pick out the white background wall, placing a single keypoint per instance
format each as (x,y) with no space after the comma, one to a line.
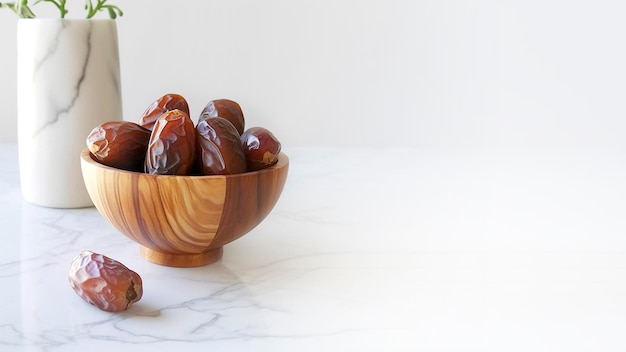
(455,73)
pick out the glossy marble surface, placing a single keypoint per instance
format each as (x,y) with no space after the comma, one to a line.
(367,250)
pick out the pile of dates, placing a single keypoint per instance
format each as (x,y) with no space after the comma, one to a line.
(166,141)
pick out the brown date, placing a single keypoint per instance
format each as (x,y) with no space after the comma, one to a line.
(120,144)
(163,104)
(227,109)
(219,147)
(104,282)
(260,147)
(172,146)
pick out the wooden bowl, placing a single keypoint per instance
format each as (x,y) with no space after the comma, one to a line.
(183,221)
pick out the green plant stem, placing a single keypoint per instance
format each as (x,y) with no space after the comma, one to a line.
(60,4)
(22,9)
(113,10)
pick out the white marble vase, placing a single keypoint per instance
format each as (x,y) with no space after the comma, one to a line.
(68,82)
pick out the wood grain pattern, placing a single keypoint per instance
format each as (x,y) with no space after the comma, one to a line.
(183,220)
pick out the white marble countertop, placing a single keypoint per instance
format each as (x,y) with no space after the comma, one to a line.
(367,250)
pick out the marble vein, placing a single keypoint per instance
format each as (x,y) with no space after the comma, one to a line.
(316,277)
(50,52)
(9,330)
(62,110)
(9,269)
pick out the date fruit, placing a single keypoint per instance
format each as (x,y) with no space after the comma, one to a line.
(260,147)
(224,108)
(119,144)
(172,145)
(163,104)
(219,147)
(104,282)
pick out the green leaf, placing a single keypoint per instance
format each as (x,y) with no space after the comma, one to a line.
(114,11)
(22,10)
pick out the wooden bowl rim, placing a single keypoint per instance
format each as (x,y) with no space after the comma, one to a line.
(283,161)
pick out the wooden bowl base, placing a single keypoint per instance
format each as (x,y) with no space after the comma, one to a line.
(182,260)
